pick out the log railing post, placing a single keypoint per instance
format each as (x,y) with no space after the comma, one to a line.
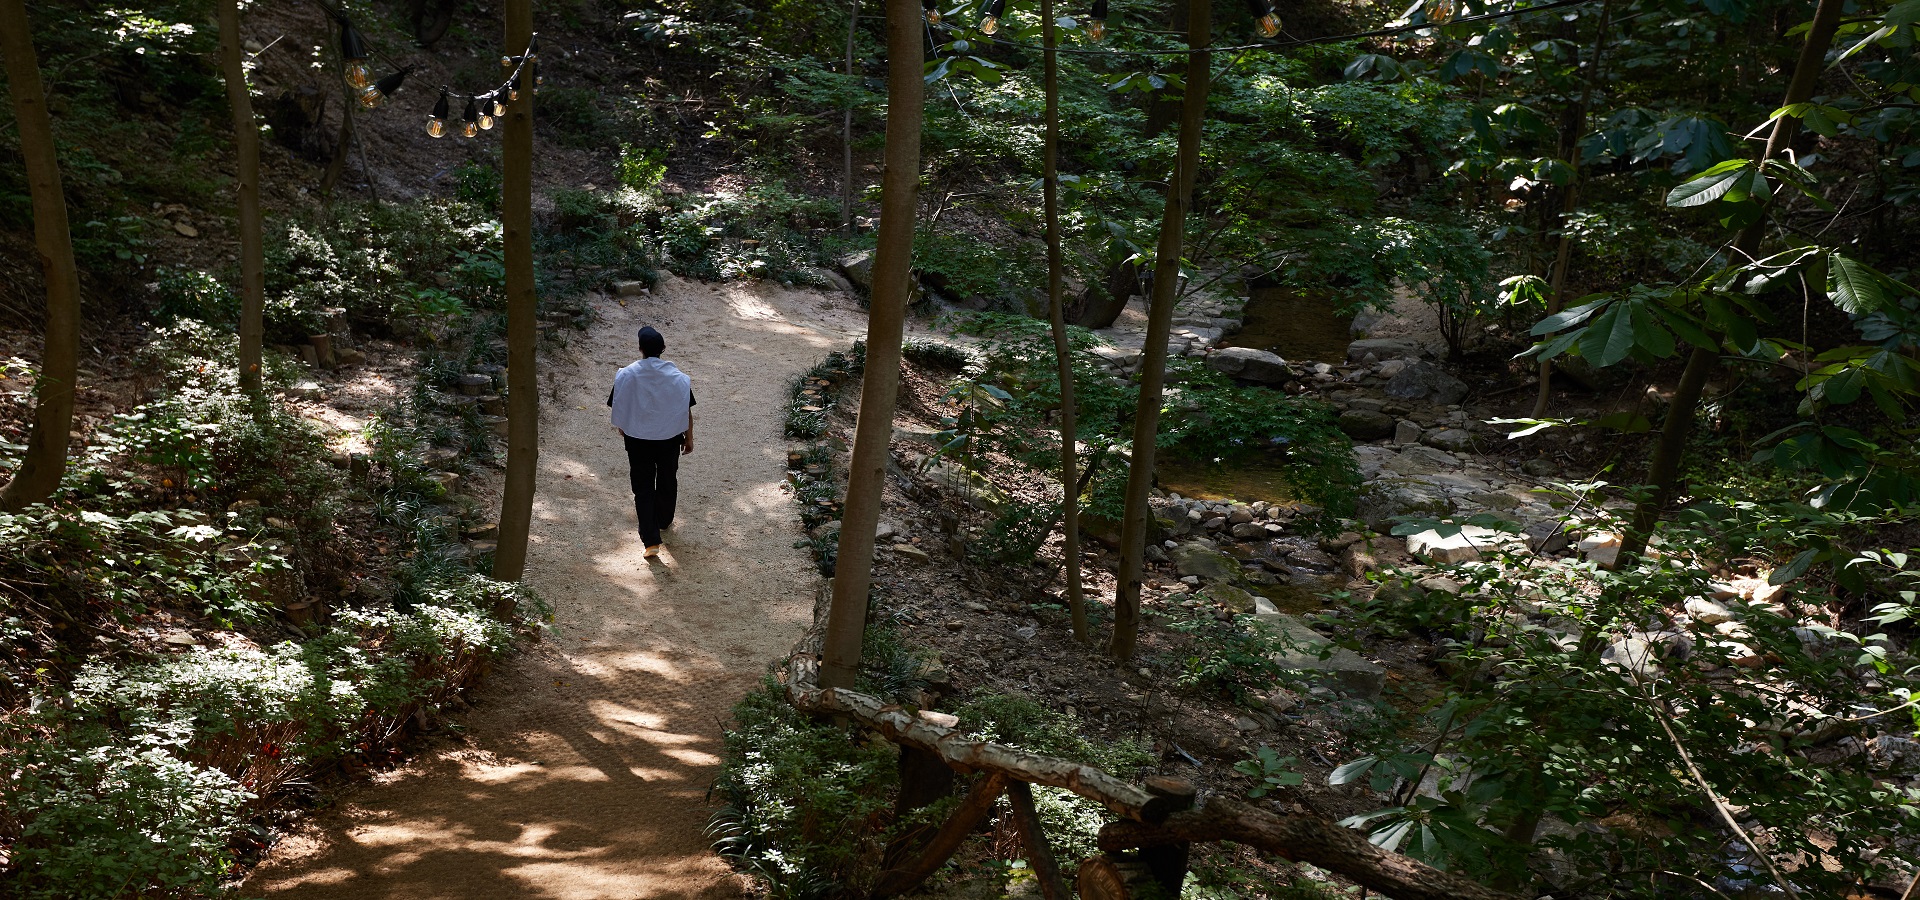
(973,809)
(1046,869)
(1168,862)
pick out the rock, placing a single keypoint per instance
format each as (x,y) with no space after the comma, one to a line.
(859,268)
(1264,607)
(1406,432)
(1247,531)
(1120,357)
(1633,656)
(1600,548)
(1302,651)
(912,553)
(1428,383)
(1466,546)
(1546,536)
(1386,501)
(1397,593)
(1439,583)
(1458,440)
(1422,460)
(1366,425)
(824,530)
(1707,612)
(475,384)
(1245,723)
(1250,364)
(186,230)
(349,357)
(829,278)
(1280,700)
(980,492)
(1391,367)
(630,289)
(1539,467)
(1196,559)
(304,390)
(1383,348)
(1311,557)
(1233,598)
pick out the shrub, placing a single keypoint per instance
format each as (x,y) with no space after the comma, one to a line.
(804,799)
(1072,822)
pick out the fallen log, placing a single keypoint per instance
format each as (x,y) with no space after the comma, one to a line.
(1302,838)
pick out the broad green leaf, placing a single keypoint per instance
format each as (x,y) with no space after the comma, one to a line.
(1568,318)
(1707,188)
(1686,328)
(1794,569)
(1649,335)
(1853,285)
(1594,339)
(1352,771)
(1620,339)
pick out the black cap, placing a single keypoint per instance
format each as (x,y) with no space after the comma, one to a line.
(651,343)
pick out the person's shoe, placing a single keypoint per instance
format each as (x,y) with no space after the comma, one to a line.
(653,551)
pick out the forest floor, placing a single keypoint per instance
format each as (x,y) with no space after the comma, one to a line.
(582,771)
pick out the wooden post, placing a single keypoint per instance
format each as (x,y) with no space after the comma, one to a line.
(886,319)
(523,388)
(246,142)
(973,809)
(46,457)
(1039,853)
(1168,862)
(1153,371)
(924,780)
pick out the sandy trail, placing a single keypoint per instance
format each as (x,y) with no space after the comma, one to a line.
(588,759)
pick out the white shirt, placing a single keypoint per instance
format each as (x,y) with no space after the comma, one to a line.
(652,400)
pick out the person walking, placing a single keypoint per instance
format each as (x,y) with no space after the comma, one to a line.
(652,403)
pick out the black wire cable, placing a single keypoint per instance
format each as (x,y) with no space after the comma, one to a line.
(1282,45)
(520,62)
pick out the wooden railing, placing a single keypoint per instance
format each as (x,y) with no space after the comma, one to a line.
(1148,845)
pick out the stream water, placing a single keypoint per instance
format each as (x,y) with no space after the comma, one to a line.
(1296,326)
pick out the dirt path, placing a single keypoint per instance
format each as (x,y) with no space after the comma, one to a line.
(587,761)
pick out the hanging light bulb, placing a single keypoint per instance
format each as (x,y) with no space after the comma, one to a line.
(513,88)
(353,50)
(1269,21)
(499,108)
(1097,22)
(486,113)
(990,23)
(931,10)
(437,123)
(377,93)
(470,123)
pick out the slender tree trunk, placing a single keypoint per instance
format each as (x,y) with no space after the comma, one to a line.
(1663,470)
(1057,315)
(246,141)
(523,390)
(1563,255)
(46,456)
(892,266)
(1153,372)
(846,124)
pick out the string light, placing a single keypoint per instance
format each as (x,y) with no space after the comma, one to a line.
(1097,22)
(499,107)
(437,123)
(932,8)
(486,113)
(990,23)
(353,49)
(377,93)
(1268,22)
(470,123)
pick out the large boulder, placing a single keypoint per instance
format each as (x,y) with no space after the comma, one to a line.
(1425,382)
(1458,440)
(1383,501)
(859,268)
(1308,654)
(1366,424)
(1422,460)
(1194,558)
(1466,546)
(1250,364)
(1383,348)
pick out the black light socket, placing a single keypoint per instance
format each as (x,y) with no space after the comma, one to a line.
(352,44)
(388,85)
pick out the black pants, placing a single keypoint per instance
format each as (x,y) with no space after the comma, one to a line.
(654,467)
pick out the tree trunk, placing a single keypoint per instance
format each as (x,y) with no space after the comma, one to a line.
(1057,315)
(523,390)
(1166,282)
(246,141)
(1563,255)
(1663,470)
(892,267)
(846,126)
(46,456)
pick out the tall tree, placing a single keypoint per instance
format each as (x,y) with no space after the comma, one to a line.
(892,266)
(1153,371)
(246,140)
(1663,470)
(1057,315)
(523,393)
(46,457)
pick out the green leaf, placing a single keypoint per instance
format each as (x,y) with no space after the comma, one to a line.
(1686,328)
(1568,318)
(1648,334)
(1709,186)
(1620,338)
(1794,569)
(1593,340)
(1854,286)
(1352,771)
